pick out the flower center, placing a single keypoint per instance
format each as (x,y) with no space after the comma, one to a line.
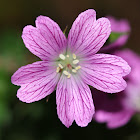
(68,64)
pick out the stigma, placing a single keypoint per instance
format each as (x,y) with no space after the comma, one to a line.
(68,64)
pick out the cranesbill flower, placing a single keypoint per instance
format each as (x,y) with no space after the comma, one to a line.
(120,30)
(72,64)
(116,110)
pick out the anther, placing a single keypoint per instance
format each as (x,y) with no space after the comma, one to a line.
(74,56)
(60,65)
(62,56)
(69,75)
(57,69)
(65,72)
(67,55)
(75,61)
(74,70)
(78,67)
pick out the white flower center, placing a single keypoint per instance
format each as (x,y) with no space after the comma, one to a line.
(68,64)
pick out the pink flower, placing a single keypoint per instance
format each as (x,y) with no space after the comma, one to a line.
(121,27)
(71,64)
(117,109)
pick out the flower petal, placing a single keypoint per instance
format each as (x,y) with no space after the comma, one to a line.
(114,119)
(134,61)
(46,40)
(104,72)
(117,26)
(37,80)
(121,25)
(110,109)
(87,35)
(74,101)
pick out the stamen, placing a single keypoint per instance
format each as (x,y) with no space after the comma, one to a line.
(74,56)
(75,61)
(68,64)
(62,56)
(60,65)
(67,55)
(78,67)
(74,70)
(65,72)
(58,69)
(69,75)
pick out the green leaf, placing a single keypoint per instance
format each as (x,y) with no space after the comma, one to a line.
(115,35)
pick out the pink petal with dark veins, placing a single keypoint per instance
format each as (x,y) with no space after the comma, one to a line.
(87,35)
(104,72)
(46,40)
(37,80)
(74,102)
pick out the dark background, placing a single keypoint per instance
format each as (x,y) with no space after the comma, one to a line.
(39,121)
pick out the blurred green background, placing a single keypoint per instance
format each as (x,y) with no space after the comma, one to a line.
(39,121)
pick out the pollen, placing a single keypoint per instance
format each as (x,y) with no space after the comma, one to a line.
(60,65)
(74,70)
(66,72)
(74,56)
(78,67)
(69,75)
(58,69)
(76,61)
(62,56)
